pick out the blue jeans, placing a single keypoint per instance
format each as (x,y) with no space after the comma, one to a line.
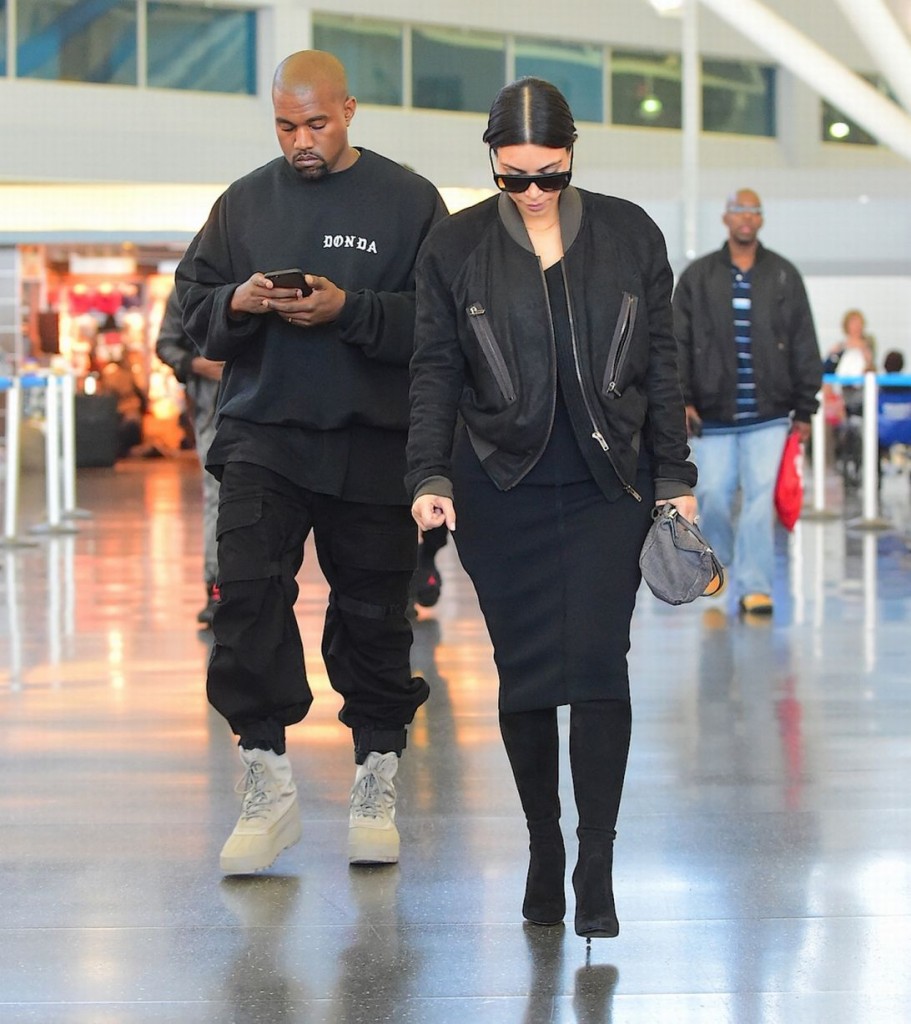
(747,459)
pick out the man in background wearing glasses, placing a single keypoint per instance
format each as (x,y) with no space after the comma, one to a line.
(750,370)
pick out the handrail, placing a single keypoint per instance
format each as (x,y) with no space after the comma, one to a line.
(900,380)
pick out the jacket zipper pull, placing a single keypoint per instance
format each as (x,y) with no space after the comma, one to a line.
(599,437)
(476,310)
(632,492)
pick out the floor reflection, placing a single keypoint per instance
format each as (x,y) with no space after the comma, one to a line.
(594,992)
(256,984)
(380,960)
(545,955)
(763,859)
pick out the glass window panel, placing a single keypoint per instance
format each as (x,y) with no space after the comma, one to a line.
(738,97)
(577,71)
(77,40)
(455,70)
(2,37)
(646,89)
(371,52)
(838,127)
(208,49)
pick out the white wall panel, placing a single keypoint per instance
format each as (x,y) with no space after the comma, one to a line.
(885,301)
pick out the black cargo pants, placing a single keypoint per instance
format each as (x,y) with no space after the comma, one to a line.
(256,677)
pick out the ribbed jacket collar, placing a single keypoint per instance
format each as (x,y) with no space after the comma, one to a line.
(570,218)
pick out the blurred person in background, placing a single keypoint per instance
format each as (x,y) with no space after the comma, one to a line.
(853,355)
(201,377)
(750,370)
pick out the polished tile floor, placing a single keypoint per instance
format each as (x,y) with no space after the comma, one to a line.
(763,869)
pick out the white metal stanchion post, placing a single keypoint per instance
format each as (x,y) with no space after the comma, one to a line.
(818,437)
(871,519)
(68,418)
(52,460)
(13,435)
(13,419)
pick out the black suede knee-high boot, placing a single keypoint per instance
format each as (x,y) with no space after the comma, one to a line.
(533,748)
(599,736)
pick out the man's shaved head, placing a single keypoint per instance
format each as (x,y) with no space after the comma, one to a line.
(312,112)
(309,70)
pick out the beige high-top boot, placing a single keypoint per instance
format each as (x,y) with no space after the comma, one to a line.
(269,821)
(372,835)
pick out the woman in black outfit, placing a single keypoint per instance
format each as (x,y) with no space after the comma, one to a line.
(545,402)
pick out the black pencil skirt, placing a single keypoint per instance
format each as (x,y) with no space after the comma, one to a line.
(556,571)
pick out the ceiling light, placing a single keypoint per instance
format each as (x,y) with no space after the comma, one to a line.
(650,107)
(667,8)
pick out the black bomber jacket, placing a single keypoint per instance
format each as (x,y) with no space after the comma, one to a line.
(485,350)
(787,368)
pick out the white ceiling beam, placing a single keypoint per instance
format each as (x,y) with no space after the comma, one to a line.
(885,39)
(873,111)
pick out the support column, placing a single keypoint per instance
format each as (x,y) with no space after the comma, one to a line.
(692,127)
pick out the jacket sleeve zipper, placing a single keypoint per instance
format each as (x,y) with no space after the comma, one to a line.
(596,434)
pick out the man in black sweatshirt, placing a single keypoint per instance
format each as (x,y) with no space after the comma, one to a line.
(311,432)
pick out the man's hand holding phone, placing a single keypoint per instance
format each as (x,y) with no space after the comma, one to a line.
(293,279)
(275,290)
(288,293)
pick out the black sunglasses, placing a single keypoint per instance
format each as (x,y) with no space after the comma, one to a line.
(520,182)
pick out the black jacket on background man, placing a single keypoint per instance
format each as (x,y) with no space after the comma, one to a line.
(786,363)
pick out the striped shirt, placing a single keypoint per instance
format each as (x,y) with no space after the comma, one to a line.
(741,289)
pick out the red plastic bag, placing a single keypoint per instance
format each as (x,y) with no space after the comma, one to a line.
(833,403)
(789,485)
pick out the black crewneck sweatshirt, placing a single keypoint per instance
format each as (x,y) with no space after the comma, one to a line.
(327,407)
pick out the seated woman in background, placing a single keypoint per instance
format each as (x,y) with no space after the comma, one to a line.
(853,355)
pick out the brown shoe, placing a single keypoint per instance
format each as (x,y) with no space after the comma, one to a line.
(756,604)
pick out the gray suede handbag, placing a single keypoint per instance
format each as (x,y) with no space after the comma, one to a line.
(677,562)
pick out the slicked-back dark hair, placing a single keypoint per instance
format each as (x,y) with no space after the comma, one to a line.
(530,110)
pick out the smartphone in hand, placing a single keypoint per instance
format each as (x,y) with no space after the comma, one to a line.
(291,278)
